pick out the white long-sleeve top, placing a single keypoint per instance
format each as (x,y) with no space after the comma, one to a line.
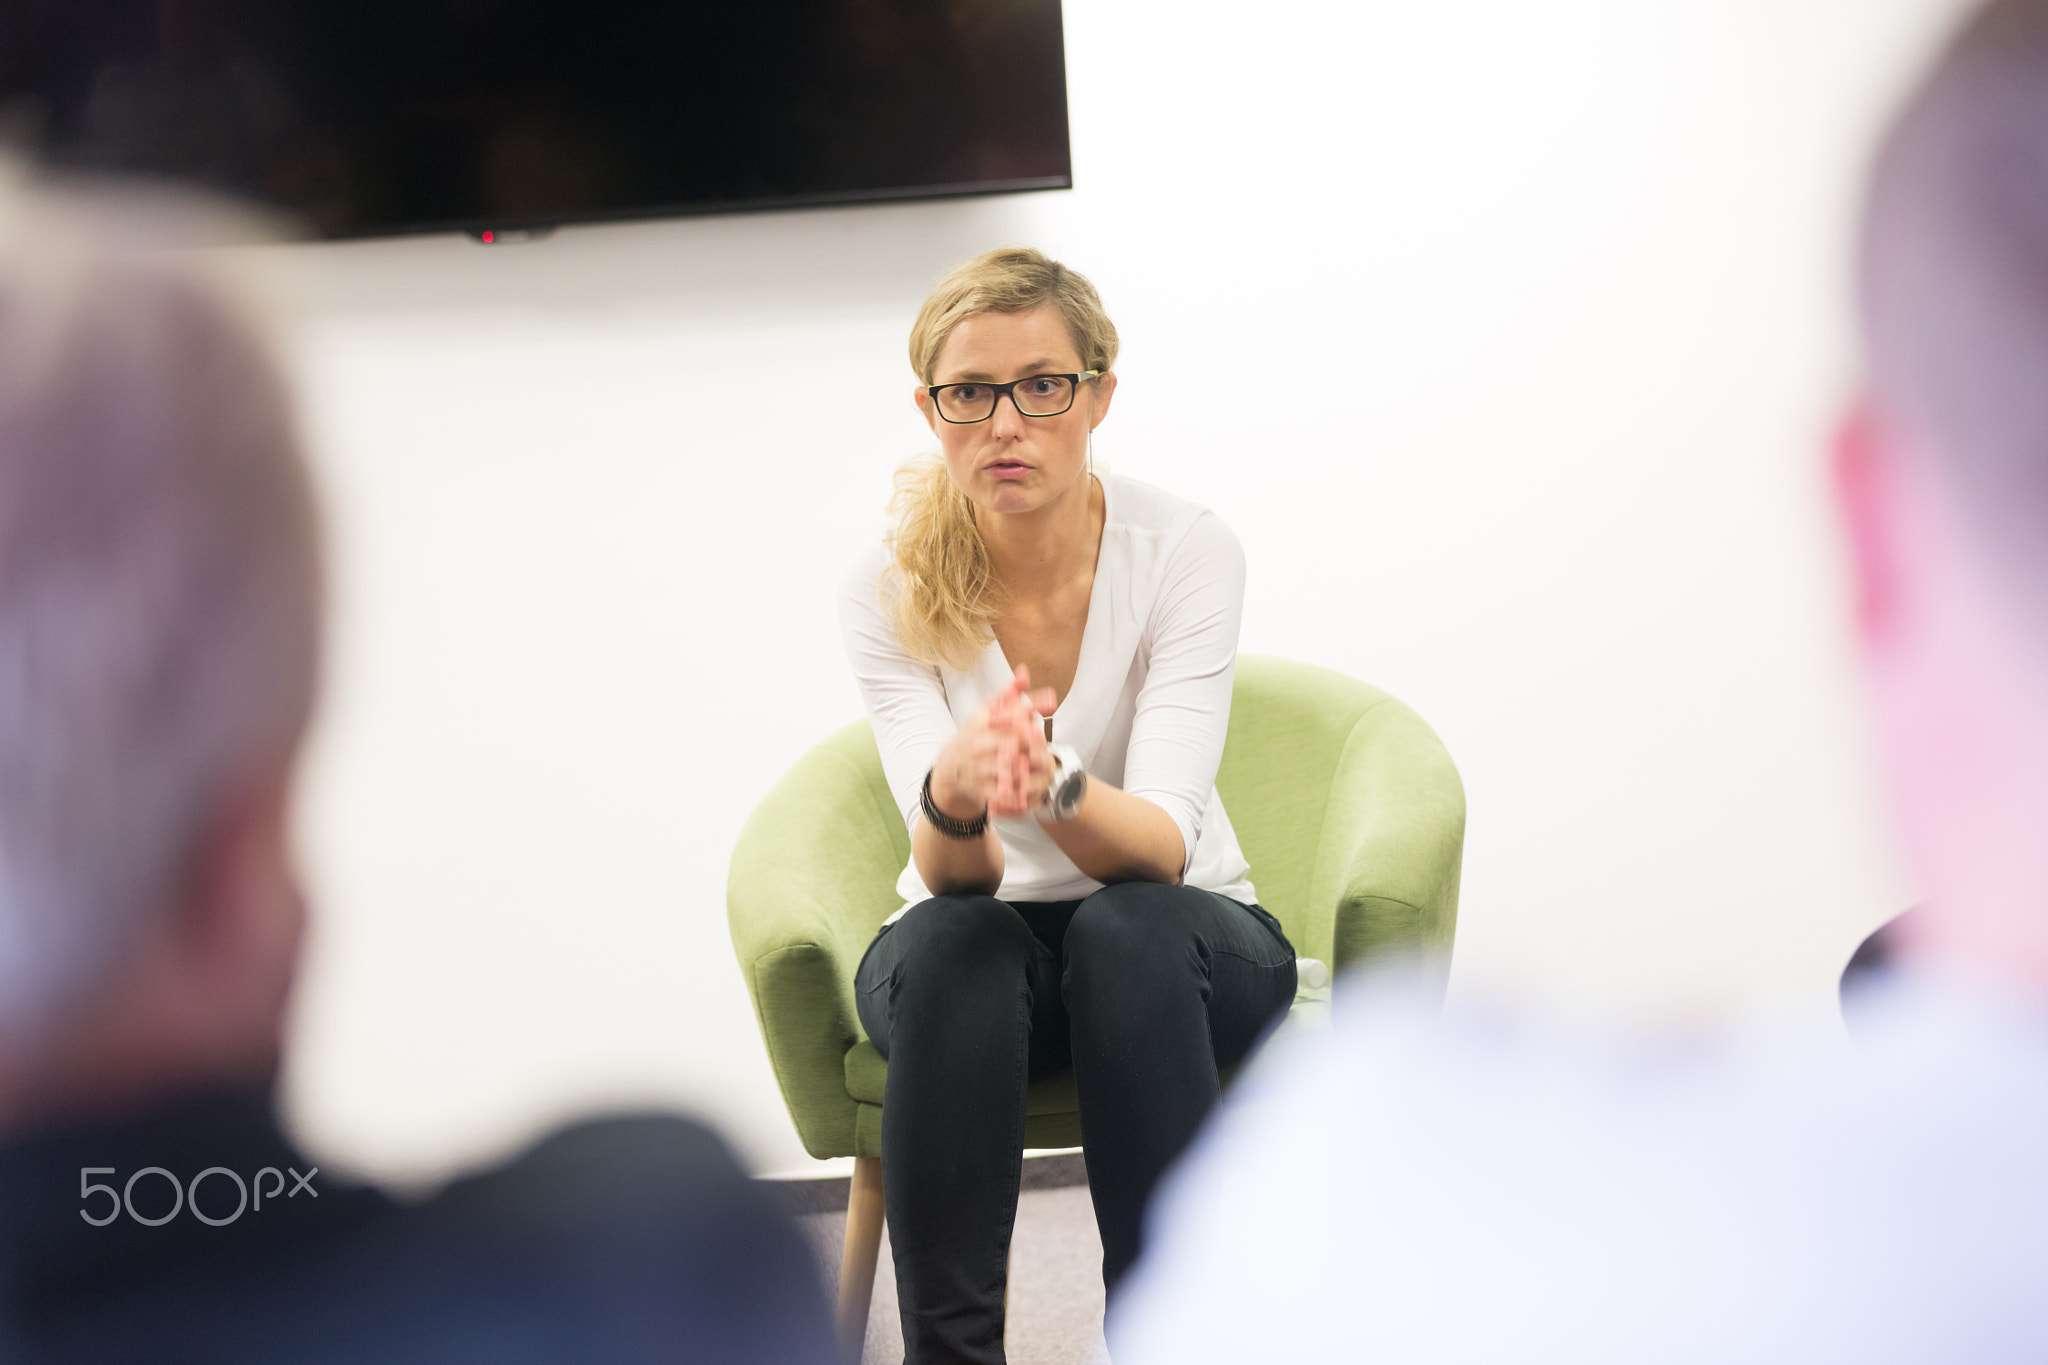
(1147,710)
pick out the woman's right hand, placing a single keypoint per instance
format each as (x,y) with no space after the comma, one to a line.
(996,761)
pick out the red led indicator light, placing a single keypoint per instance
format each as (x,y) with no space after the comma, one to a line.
(490,236)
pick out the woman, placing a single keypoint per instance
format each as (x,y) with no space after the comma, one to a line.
(1080,902)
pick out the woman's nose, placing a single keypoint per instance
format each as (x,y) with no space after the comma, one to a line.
(1006,419)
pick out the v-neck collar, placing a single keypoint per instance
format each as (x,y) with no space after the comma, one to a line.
(1081,726)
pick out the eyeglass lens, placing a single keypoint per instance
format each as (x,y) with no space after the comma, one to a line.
(1046,395)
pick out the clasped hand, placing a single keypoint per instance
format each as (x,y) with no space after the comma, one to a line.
(997,761)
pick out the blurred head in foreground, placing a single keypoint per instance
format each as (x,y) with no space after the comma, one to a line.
(1942,475)
(1485,1193)
(159,629)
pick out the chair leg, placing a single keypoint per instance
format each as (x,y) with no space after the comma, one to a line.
(863,1249)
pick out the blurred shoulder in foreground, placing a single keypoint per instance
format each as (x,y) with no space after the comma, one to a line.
(629,1239)
(1405,1189)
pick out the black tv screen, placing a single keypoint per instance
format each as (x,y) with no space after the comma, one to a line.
(383,116)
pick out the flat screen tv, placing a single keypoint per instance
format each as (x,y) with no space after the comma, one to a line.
(364,117)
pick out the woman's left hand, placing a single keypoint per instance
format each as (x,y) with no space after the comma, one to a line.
(1018,712)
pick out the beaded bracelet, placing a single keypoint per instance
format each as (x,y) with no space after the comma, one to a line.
(946,824)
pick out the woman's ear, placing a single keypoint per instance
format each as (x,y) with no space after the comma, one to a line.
(1105,389)
(923,400)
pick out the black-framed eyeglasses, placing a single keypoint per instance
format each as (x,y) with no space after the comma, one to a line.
(1035,395)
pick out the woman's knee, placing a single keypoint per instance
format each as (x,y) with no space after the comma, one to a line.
(1125,919)
(953,936)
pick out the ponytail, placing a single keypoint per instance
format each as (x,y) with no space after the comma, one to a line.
(945,600)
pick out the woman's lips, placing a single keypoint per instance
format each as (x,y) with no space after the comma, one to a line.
(1007,469)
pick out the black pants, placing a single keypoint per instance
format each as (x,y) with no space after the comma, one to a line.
(1143,989)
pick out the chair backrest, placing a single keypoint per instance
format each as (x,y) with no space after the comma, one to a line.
(1348,809)
(1288,726)
(831,828)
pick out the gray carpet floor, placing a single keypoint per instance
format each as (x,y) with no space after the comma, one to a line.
(1055,1315)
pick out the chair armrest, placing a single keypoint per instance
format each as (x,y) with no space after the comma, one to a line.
(812,877)
(1392,843)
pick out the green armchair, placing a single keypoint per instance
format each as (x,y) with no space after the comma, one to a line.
(1348,808)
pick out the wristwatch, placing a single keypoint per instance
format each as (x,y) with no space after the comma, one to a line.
(1069,782)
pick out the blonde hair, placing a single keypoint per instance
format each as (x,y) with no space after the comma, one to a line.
(942,593)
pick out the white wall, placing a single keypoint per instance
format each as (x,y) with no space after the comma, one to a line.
(1505,335)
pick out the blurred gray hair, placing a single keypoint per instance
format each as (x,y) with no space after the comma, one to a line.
(1955,280)
(159,580)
